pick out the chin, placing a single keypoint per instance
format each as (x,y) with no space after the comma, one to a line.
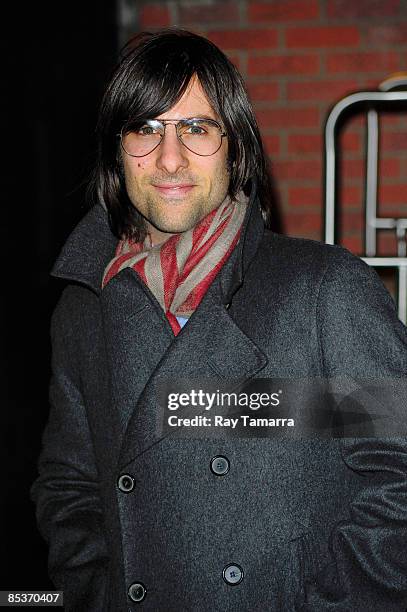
(177,229)
(177,226)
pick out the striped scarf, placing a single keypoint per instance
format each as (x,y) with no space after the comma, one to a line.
(179,271)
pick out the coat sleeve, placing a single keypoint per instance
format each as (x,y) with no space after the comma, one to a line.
(66,493)
(361,337)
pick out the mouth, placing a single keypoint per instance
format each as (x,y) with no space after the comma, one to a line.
(174,191)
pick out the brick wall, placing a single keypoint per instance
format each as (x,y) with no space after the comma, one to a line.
(298,57)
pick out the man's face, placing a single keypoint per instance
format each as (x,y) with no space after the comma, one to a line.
(172,187)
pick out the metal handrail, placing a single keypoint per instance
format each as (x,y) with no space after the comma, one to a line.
(371,99)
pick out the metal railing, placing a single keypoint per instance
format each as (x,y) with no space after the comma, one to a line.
(372,102)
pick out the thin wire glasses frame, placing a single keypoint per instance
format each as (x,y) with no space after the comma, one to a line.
(160,125)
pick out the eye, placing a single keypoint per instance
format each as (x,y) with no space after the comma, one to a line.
(146,130)
(196,130)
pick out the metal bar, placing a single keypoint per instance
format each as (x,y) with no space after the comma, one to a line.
(385,223)
(371,181)
(387,262)
(399,263)
(372,97)
(401,238)
(402,293)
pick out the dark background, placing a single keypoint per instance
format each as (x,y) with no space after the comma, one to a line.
(57,65)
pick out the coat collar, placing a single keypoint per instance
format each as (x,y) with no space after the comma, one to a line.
(87,250)
(92,245)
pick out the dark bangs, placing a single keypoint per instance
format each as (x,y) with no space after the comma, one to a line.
(152,76)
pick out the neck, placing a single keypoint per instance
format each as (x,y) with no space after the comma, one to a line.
(156,236)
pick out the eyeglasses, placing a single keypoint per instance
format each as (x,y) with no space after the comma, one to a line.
(200,136)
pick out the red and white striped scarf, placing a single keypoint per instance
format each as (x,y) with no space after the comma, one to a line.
(180,270)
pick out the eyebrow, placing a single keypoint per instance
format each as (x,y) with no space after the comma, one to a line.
(202,117)
(191,117)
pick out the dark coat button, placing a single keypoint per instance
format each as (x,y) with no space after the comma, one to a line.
(126,483)
(137,591)
(232,574)
(220,465)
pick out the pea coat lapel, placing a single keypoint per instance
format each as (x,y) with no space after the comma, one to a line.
(211,346)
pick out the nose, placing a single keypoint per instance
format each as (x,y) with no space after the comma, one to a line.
(171,153)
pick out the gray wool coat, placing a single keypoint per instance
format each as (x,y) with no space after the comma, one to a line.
(315,525)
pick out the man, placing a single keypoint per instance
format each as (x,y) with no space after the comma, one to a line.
(173,273)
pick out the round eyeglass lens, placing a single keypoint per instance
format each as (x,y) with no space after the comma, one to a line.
(200,136)
(141,140)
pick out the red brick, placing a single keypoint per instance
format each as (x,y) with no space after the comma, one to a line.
(154,16)
(288,10)
(305,196)
(244,39)
(349,141)
(355,121)
(345,9)
(314,143)
(391,121)
(208,13)
(393,194)
(389,167)
(288,117)
(367,84)
(394,34)
(394,141)
(307,169)
(393,210)
(307,224)
(283,64)
(352,168)
(264,91)
(235,59)
(271,144)
(322,36)
(355,168)
(386,243)
(352,221)
(353,244)
(319,90)
(352,196)
(305,143)
(363,62)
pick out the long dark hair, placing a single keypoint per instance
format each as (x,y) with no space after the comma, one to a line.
(151,77)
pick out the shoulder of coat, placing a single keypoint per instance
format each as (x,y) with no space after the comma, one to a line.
(305,251)
(74,299)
